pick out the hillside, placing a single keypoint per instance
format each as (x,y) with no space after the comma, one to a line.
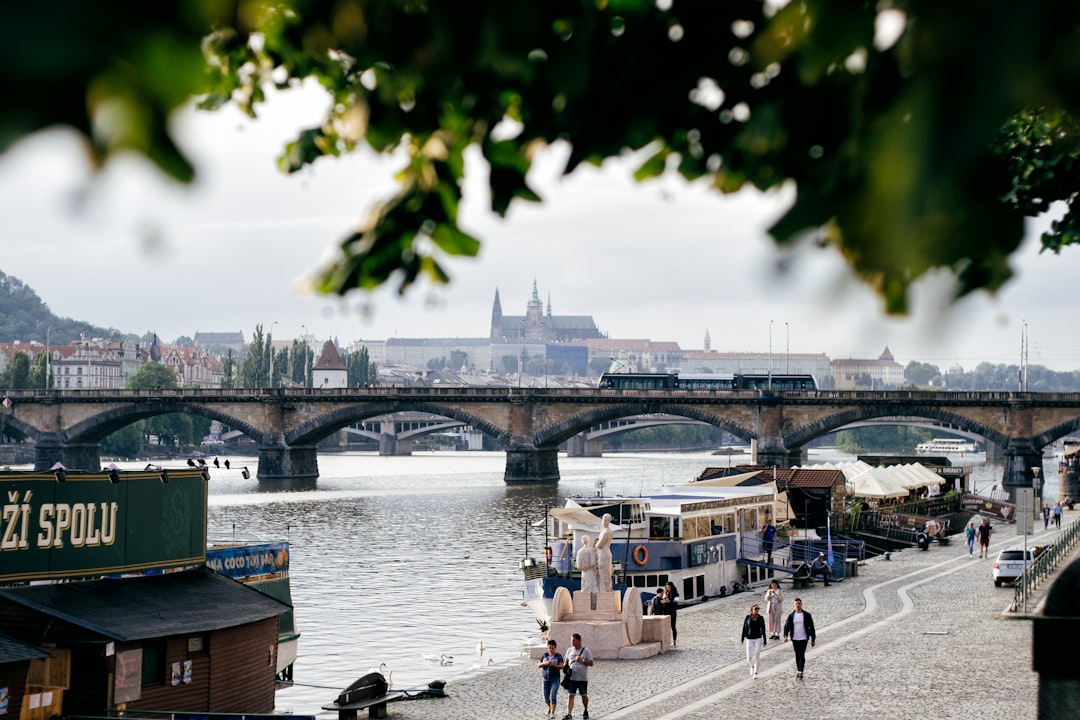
(24,317)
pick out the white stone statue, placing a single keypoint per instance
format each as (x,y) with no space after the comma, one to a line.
(586,563)
(603,553)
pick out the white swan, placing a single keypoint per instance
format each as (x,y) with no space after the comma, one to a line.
(441,659)
(481,666)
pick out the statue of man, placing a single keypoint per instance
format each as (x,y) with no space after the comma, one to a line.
(603,553)
(586,562)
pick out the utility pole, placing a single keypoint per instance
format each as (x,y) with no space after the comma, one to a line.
(787,349)
(770,355)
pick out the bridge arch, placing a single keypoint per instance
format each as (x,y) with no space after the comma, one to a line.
(802,435)
(326,424)
(10,421)
(558,432)
(97,427)
(1057,432)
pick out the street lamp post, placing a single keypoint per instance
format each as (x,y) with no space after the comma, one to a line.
(270,347)
(787,349)
(304,328)
(48,358)
(1035,483)
(770,355)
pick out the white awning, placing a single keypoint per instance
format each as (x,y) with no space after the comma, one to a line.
(726,481)
(577,517)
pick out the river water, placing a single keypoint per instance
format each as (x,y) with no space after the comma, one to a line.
(395,558)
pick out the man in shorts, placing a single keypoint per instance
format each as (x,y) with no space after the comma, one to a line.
(985,531)
(580,660)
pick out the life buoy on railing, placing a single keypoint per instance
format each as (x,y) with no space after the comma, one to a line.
(641,555)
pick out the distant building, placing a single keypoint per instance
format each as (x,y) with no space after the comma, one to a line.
(329,370)
(8,351)
(884,373)
(193,366)
(94,364)
(538,325)
(634,355)
(710,361)
(220,341)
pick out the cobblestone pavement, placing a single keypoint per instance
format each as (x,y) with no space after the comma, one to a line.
(924,634)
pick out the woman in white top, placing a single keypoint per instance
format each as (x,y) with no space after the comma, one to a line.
(774,609)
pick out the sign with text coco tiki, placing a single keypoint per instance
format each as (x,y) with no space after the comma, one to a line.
(68,524)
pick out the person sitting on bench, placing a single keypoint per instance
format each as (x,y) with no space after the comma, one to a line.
(820,567)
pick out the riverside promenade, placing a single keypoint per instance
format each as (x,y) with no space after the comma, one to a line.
(924,634)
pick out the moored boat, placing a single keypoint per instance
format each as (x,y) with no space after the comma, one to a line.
(946,446)
(690,535)
(264,566)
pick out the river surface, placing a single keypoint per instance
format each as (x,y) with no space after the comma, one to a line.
(398,558)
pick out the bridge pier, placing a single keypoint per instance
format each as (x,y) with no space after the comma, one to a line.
(282,462)
(531,465)
(391,445)
(1020,457)
(580,446)
(74,456)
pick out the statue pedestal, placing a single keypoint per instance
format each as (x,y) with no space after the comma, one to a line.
(611,627)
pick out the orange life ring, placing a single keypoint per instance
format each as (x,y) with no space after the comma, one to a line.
(641,555)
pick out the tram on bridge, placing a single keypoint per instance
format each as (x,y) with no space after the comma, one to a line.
(706,381)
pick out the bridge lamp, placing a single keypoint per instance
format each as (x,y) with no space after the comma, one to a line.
(48,358)
(304,328)
(1035,482)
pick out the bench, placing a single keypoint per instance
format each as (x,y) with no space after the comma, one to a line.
(370,693)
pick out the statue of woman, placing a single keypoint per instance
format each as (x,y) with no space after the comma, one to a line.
(586,563)
(603,553)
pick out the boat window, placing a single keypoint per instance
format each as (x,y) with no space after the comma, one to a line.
(660,527)
(699,554)
(749,520)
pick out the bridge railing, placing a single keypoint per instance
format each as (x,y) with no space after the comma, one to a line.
(959,396)
(1044,565)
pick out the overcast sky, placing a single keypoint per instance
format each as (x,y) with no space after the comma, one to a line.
(663,261)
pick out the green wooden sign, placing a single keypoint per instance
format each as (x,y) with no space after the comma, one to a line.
(76,525)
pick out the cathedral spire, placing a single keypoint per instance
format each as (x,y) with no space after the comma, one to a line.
(534,301)
(496,317)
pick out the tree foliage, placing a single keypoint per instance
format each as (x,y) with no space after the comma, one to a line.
(920,149)
(361,371)
(25,317)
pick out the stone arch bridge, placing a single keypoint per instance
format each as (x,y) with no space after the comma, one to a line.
(530,423)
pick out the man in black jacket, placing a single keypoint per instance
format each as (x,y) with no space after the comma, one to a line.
(799,628)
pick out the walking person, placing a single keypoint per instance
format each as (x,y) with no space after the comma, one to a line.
(984,532)
(1057,514)
(1046,516)
(969,533)
(671,609)
(580,660)
(800,629)
(774,602)
(753,633)
(550,665)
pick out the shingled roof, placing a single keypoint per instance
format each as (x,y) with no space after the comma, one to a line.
(140,608)
(795,477)
(12,650)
